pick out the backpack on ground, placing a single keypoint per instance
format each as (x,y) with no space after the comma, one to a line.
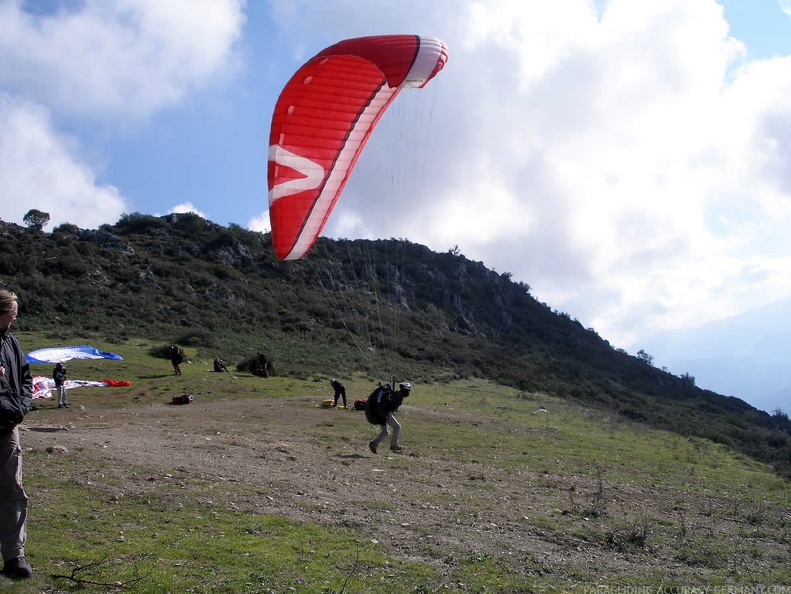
(184,398)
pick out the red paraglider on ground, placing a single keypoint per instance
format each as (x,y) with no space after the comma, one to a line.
(322,120)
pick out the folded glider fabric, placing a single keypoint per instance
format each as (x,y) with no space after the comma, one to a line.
(42,385)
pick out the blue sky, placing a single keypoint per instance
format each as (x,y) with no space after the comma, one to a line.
(762,25)
(627,160)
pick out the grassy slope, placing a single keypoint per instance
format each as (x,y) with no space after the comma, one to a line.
(206,548)
(185,280)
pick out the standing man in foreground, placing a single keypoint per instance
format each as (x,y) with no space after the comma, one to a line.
(16,385)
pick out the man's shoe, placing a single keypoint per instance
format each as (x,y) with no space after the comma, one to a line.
(372,447)
(17,568)
(397,448)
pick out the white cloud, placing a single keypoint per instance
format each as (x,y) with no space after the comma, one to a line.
(42,169)
(537,35)
(185,207)
(132,57)
(260,223)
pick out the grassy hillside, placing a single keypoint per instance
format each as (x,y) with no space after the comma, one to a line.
(254,488)
(383,309)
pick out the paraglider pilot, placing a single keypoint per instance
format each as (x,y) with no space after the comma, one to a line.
(340,392)
(219,365)
(379,409)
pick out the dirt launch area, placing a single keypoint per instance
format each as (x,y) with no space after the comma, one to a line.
(290,457)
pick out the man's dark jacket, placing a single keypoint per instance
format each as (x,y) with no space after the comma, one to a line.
(59,376)
(16,385)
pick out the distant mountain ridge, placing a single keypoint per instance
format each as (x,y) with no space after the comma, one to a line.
(758,371)
(384,308)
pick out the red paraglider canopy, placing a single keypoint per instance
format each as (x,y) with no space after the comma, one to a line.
(322,121)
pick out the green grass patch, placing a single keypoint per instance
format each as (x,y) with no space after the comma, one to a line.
(177,539)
